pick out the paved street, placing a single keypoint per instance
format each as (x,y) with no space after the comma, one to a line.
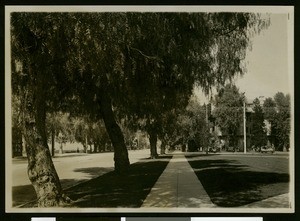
(178,186)
(74,168)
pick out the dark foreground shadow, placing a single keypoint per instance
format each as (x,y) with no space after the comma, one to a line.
(94,171)
(21,195)
(230,184)
(115,190)
(108,190)
(25,196)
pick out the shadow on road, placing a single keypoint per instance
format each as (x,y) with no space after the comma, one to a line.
(108,190)
(94,171)
(22,194)
(115,190)
(25,193)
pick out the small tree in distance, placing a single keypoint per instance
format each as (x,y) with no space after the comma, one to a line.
(259,136)
(277,112)
(229,112)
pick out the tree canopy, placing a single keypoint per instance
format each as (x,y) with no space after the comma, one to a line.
(228,111)
(152,59)
(278,112)
(139,65)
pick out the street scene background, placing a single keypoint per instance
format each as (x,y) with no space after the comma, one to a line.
(150,110)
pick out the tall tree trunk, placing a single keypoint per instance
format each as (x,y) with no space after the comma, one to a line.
(115,134)
(41,170)
(52,142)
(23,146)
(95,147)
(86,144)
(153,142)
(163,147)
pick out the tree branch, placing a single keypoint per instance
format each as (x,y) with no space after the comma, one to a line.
(146,56)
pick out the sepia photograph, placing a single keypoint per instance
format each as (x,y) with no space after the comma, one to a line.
(144,109)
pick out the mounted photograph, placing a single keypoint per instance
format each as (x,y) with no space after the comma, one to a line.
(149,109)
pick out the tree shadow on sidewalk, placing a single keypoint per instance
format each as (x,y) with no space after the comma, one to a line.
(230,184)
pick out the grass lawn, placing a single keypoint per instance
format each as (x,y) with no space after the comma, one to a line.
(230,183)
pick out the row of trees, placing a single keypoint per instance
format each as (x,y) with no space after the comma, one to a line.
(139,68)
(64,128)
(228,114)
(187,125)
(61,128)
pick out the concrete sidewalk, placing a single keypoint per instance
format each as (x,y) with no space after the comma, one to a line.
(178,186)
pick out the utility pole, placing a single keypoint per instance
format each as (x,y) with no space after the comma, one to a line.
(245,132)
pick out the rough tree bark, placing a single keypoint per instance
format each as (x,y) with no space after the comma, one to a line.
(115,134)
(24,154)
(41,170)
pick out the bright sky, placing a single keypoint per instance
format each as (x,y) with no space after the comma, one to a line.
(267,62)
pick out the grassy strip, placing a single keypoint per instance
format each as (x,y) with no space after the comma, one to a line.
(231,184)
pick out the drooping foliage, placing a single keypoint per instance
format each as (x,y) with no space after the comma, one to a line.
(139,65)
